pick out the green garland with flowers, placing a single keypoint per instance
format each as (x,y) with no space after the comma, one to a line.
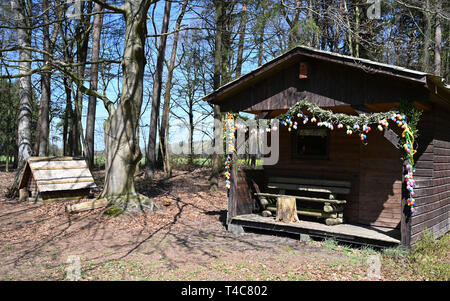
(306,112)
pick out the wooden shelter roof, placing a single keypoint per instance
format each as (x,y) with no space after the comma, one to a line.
(432,82)
(57,173)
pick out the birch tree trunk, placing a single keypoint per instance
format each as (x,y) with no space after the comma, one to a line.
(25,94)
(90,120)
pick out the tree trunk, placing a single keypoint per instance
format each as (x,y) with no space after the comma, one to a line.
(287,210)
(42,131)
(156,95)
(191,133)
(25,92)
(67,141)
(438,40)
(261,33)
(121,128)
(349,29)
(90,120)
(357,31)
(241,40)
(427,38)
(82,40)
(164,132)
(216,162)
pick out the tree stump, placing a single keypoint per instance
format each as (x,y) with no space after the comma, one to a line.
(287,210)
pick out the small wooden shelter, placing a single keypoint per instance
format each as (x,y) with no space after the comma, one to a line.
(375,210)
(56,178)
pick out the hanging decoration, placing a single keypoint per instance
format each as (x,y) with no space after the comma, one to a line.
(230,129)
(360,125)
(305,112)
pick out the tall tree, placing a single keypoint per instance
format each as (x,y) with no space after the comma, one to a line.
(22,16)
(40,145)
(163,157)
(427,37)
(438,39)
(219,23)
(93,84)
(49,42)
(82,32)
(156,95)
(122,150)
(240,53)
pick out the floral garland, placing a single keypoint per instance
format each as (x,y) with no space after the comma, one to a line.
(360,124)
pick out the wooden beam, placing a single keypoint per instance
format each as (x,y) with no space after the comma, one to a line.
(37,159)
(58,167)
(75,180)
(312,212)
(89,205)
(64,198)
(303,198)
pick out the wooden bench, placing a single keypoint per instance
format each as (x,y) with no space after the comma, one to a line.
(326,191)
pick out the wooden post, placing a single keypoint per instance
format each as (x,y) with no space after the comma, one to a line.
(232,193)
(405,223)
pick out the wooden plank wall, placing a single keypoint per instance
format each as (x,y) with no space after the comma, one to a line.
(374,171)
(244,201)
(380,182)
(433,175)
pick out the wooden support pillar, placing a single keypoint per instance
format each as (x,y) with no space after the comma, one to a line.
(232,192)
(405,224)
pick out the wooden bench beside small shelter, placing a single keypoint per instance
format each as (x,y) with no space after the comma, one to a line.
(55,178)
(375,209)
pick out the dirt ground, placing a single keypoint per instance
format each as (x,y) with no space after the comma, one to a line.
(184,241)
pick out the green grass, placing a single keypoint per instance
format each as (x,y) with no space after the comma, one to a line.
(330,243)
(430,257)
(113,212)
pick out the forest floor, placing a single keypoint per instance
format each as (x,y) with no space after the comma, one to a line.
(186,240)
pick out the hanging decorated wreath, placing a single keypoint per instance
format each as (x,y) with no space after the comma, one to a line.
(306,112)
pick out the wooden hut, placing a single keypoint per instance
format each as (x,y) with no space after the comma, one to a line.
(375,210)
(55,178)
